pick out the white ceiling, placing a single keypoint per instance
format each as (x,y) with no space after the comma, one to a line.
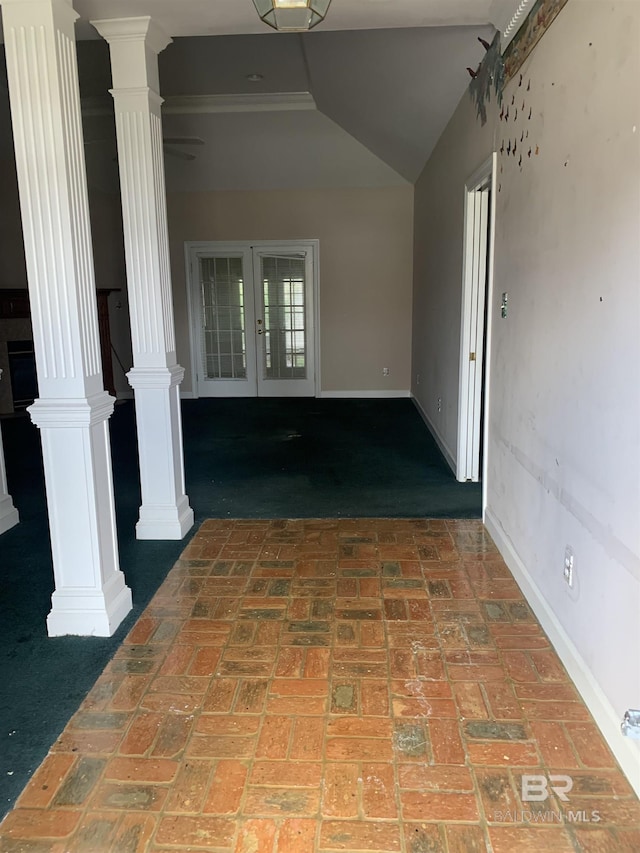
(386,75)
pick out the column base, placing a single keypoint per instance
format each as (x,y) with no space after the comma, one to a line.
(162,522)
(165,512)
(8,514)
(90,597)
(85,615)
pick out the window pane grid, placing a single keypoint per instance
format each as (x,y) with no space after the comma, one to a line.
(223,316)
(284,320)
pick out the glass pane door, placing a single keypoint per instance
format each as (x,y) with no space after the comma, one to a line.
(284,294)
(284,318)
(224,338)
(252,309)
(226,326)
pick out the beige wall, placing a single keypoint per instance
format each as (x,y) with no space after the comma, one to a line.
(437,275)
(564,403)
(365,270)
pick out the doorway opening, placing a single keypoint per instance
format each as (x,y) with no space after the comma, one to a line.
(476,321)
(253,318)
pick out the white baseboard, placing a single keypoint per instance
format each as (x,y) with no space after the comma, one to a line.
(626,750)
(439,440)
(364,395)
(346,395)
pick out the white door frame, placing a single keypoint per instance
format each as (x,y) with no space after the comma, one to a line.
(192,249)
(479,238)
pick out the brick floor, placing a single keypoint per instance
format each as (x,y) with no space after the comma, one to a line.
(351,685)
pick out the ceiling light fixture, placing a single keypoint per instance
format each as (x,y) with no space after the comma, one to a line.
(256,77)
(292,16)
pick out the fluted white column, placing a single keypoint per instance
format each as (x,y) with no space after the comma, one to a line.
(8,513)
(156,376)
(73,409)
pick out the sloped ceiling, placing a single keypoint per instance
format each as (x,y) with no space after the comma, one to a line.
(383,98)
(393,90)
(385,76)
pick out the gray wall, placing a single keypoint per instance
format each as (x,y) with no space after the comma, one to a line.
(564,405)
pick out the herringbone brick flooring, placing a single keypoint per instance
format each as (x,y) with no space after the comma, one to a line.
(346,685)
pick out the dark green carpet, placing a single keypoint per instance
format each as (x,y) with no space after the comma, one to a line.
(244,459)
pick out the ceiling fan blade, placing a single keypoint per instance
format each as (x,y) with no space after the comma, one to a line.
(180,155)
(183,140)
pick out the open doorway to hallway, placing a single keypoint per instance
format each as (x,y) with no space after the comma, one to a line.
(476,320)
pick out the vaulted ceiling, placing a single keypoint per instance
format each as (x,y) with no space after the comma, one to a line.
(379,79)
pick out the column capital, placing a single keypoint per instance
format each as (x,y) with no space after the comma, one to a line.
(26,3)
(31,6)
(155,377)
(134,44)
(143,29)
(65,413)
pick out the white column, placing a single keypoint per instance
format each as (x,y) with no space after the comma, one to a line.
(73,409)
(8,513)
(156,376)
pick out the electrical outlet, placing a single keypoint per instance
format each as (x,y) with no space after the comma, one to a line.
(385,371)
(417,378)
(568,566)
(439,404)
(631,724)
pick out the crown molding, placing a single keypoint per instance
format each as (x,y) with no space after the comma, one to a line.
(244,103)
(208,104)
(508,16)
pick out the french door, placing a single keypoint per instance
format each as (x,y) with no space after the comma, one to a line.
(252,318)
